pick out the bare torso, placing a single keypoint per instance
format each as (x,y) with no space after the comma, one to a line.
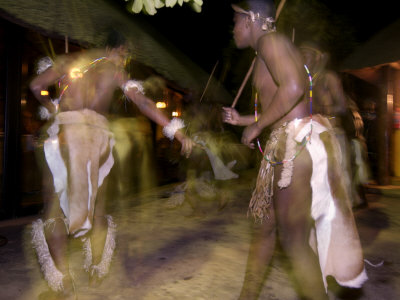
(267,86)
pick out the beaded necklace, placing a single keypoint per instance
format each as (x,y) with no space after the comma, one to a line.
(304,141)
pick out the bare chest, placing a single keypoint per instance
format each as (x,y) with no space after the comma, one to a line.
(263,83)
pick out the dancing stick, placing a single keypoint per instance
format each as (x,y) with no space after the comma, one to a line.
(279,9)
(278,12)
(244,83)
(209,79)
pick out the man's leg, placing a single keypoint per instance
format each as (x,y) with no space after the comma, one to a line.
(294,223)
(102,235)
(98,234)
(260,253)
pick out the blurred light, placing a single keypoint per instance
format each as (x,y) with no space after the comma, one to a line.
(23,101)
(24,69)
(175,114)
(161,105)
(75,73)
(44,93)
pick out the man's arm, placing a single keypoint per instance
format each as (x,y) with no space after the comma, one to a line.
(41,83)
(149,109)
(231,116)
(335,87)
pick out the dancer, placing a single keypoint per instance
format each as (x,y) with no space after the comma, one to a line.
(330,100)
(299,194)
(78,152)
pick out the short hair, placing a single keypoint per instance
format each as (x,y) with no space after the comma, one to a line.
(115,39)
(266,8)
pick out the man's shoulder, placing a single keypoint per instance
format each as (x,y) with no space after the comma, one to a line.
(273,40)
(276,36)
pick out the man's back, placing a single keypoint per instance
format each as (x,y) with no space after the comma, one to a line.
(88,81)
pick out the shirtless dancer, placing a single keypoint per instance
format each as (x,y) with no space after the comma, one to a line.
(303,200)
(79,155)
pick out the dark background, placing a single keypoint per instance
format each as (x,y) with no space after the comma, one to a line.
(339,25)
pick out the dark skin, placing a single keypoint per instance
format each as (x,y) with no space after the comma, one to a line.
(94,90)
(281,81)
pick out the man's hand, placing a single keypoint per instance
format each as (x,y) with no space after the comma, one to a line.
(230,116)
(186,142)
(187,146)
(249,134)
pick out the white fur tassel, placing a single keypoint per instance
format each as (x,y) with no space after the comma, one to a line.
(51,274)
(287,171)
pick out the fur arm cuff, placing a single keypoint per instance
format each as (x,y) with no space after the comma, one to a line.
(133,84)
(172,127)
(43,64)
(44,113)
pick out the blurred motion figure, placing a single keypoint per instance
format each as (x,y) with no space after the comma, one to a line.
(330,100)
(78,152)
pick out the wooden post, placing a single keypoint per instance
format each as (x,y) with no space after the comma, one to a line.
(11,199)
(395,143)
(383,118)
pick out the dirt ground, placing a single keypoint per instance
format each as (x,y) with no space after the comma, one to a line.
(166,254)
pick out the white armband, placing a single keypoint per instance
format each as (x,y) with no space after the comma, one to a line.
(44,113)
(43,64)
(172,127)
(133,84)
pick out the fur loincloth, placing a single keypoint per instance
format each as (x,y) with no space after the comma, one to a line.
(86,140)
(335,238)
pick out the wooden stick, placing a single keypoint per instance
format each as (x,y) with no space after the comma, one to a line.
(209,79)
(243,83)
(279,9)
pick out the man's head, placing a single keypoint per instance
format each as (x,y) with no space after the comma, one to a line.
(116,45)
(258,13)
(314,55)
(115,39)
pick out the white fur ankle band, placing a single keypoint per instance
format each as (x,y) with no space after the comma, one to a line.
(172,127)
(51,274)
